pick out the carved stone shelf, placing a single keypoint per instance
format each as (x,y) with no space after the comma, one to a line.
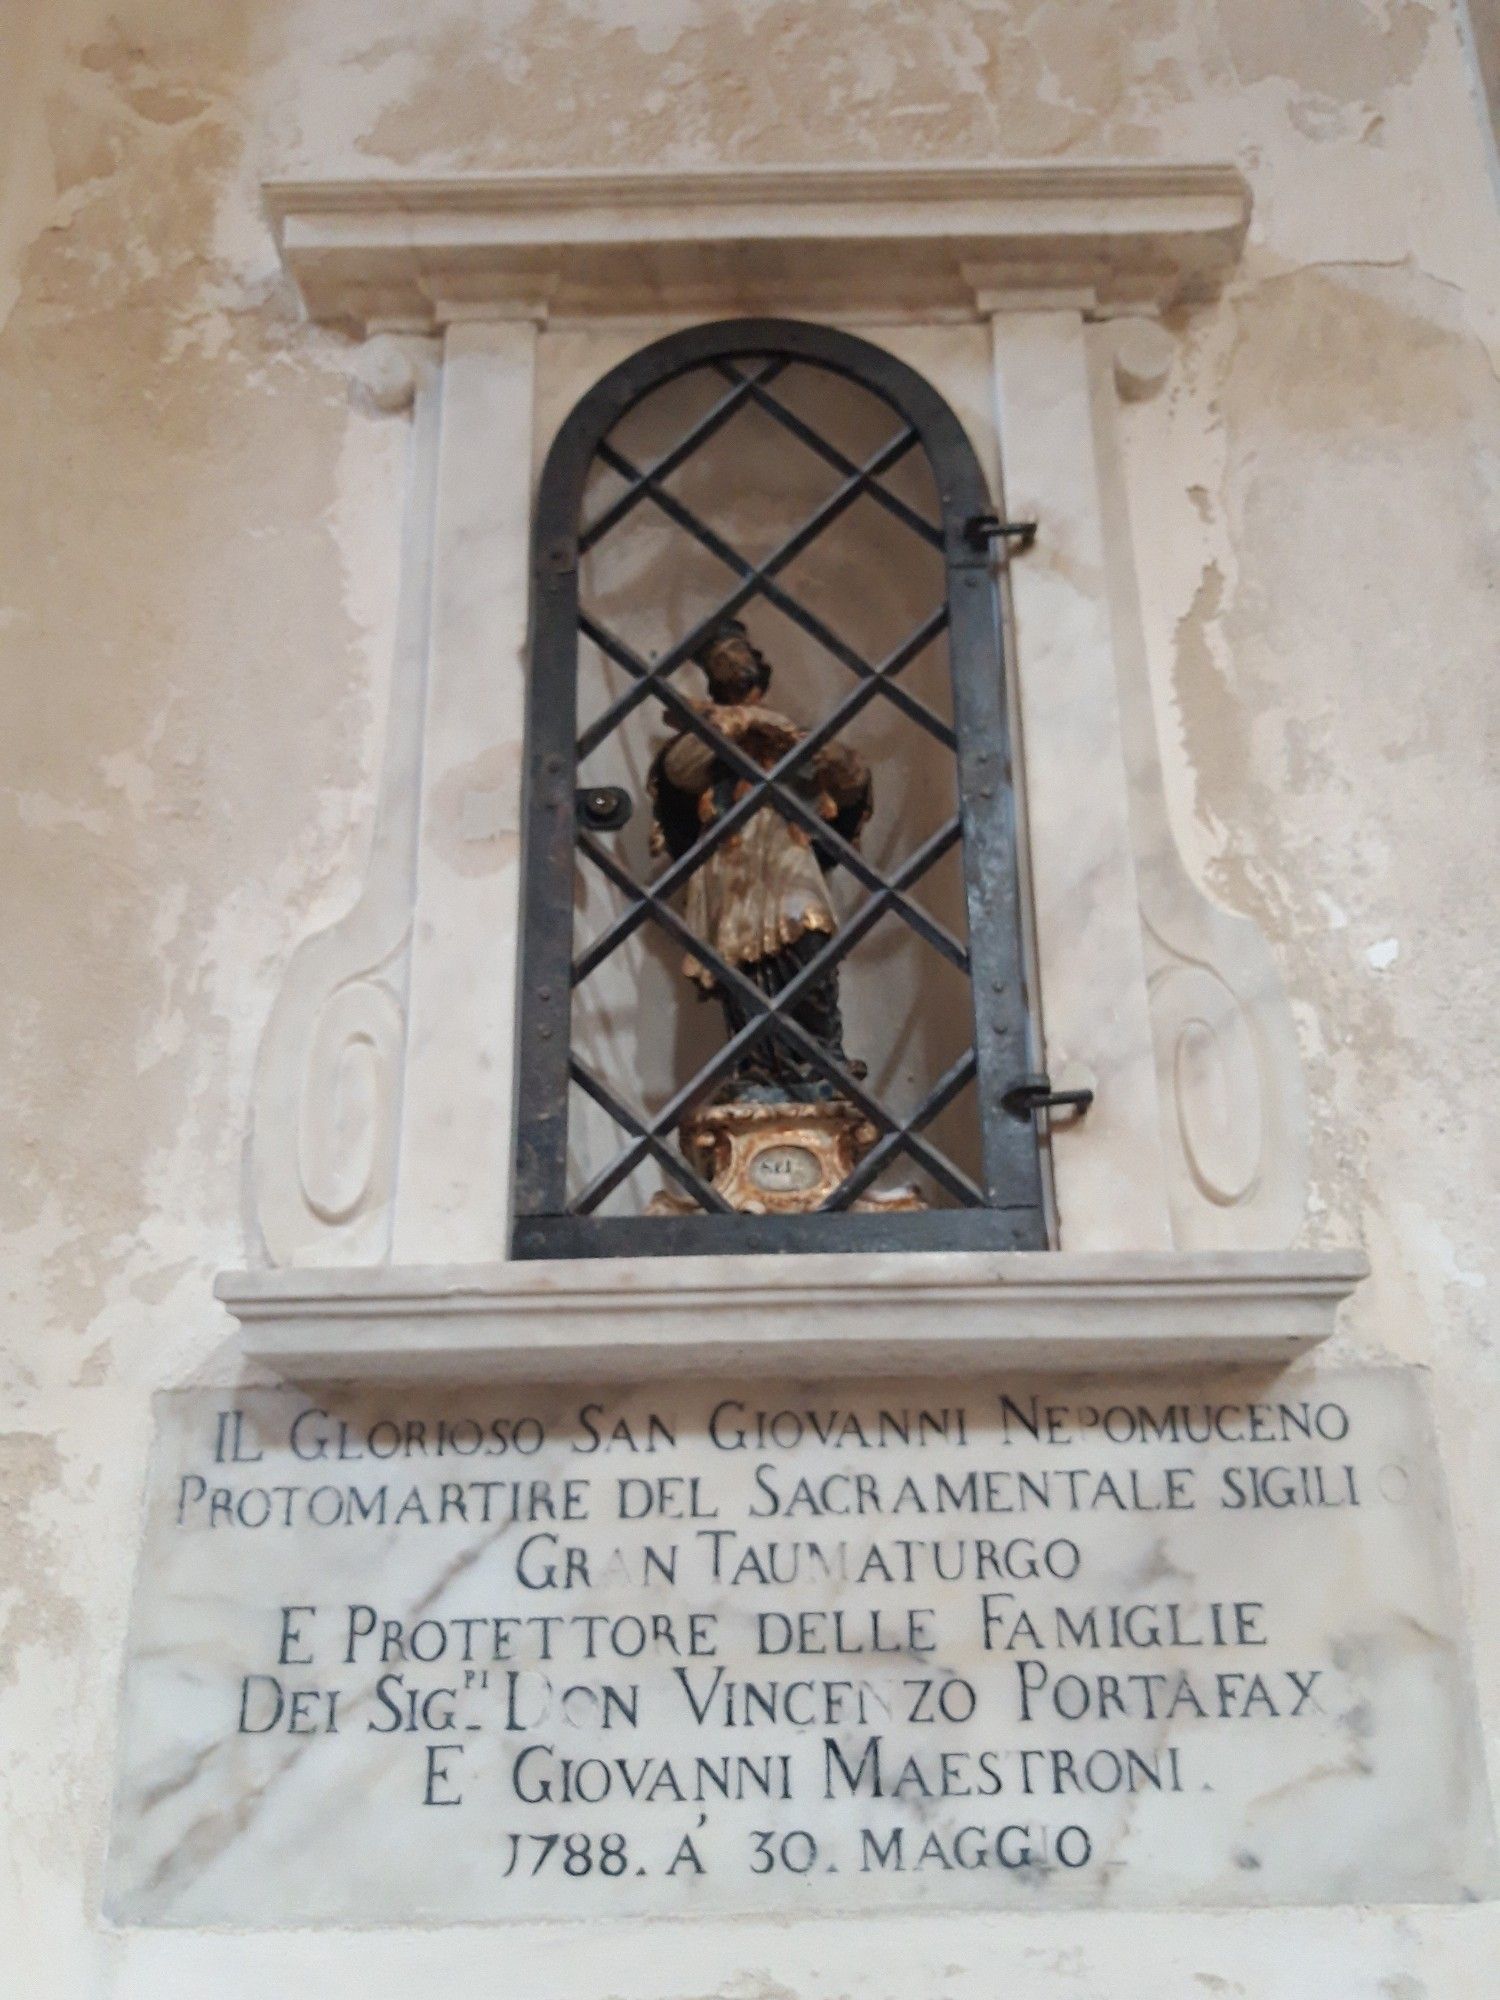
(616,1320)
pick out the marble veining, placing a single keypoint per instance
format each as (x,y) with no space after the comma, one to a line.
(731,1648)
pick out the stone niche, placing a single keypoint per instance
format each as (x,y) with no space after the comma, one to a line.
(714,1586)
(381,1144)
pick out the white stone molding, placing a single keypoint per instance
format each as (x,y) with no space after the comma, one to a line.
(380,1156)
(325,1113)
(453,1199)
(855,241)
(1233,1101)
(383,372)
(1142,352)
(931,1313)
(1109,1176)
(381,1124)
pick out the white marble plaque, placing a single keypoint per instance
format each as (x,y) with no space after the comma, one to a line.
(529,1653)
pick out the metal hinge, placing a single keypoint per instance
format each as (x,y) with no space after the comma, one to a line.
(982,529)
(1030,1094)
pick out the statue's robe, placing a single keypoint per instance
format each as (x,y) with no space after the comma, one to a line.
(762,889)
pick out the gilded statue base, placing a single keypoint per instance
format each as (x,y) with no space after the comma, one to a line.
(779,1159)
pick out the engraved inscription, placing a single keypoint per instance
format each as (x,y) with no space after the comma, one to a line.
(794,1168)
(511,1653)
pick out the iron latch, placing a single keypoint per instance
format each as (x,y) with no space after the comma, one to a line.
(980,530)
(1030,1094)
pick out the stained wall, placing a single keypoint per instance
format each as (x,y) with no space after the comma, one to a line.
(197,541)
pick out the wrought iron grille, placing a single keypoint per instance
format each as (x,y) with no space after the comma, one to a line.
(992,1197)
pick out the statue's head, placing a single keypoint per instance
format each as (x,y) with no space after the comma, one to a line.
(734,666)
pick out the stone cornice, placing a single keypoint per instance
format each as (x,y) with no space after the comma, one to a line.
(930,240)
(614,1319)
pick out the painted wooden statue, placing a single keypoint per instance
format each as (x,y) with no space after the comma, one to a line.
(778,1136)
(761,899)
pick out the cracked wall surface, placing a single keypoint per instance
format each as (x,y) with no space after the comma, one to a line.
(197,553)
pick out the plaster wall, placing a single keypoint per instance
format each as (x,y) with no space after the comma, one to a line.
(198,531)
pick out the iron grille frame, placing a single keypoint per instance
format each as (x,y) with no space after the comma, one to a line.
(1004,1209)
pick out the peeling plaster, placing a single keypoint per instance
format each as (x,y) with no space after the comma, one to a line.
(197,544)
(33,1612)
(189,630)
(1347,51)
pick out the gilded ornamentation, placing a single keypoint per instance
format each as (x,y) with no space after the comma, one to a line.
(780,1159)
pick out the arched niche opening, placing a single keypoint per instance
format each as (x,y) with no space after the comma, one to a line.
(711,868)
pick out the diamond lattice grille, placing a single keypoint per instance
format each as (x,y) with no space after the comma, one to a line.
(752,384)
(802,553)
